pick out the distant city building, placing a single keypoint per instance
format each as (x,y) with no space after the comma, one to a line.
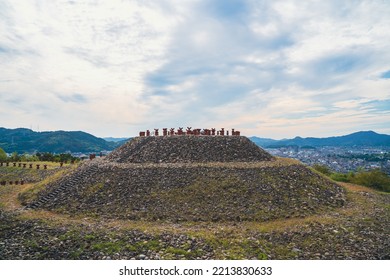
(339,159)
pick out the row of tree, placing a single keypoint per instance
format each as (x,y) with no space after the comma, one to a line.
(15,157)
(375,178)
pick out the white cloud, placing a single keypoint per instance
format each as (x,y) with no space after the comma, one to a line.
(100,50)
(269,68)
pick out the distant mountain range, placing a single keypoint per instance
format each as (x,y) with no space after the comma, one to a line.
(23,140)
(361,138)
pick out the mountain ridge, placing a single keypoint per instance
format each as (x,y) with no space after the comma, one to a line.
(360,138)
(24,140)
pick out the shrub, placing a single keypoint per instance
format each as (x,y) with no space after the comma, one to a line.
(322,169)
(3,155)
(376,179)
(340,177)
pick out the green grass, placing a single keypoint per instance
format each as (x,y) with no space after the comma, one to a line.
(108,247)
(31,194)
(235,245)
(375,178)
(92,189)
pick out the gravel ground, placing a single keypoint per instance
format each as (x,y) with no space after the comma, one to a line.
(192,193)
(189,149)
(34,239)
(359,230)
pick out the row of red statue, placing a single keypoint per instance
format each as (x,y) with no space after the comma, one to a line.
(189,131)
(24,165)
(30,165)
(3,183)
(92,156)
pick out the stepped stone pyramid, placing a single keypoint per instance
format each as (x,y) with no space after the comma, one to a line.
(191,178)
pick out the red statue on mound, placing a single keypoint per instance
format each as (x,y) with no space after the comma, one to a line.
(190,131)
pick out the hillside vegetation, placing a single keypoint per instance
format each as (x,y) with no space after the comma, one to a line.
(361,138)
(22,140)
(375,179)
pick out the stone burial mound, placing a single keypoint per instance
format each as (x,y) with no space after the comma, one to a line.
(189,149)
(191,178)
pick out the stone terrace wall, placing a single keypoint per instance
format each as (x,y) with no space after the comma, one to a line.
(191,178)
(196,193)
(189,149)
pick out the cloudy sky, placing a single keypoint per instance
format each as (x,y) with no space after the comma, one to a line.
(268,68)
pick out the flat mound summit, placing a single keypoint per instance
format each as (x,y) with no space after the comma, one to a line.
(189,149)
(191,178)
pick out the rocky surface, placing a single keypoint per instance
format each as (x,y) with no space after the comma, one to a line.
(227,179)
(358,230)
(155,199)
(192,193)
(189,149)
(33,239)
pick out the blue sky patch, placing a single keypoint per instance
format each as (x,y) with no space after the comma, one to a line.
(386,75)
(339,64)
(231,9)
(74,97)
(379,105)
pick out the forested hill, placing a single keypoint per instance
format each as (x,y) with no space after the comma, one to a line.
(361,138)
(23,140)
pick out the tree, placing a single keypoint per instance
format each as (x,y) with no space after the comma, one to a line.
(376,179)
(45,156)
(323,169)
(28,157)
(14,157)
(3,155)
